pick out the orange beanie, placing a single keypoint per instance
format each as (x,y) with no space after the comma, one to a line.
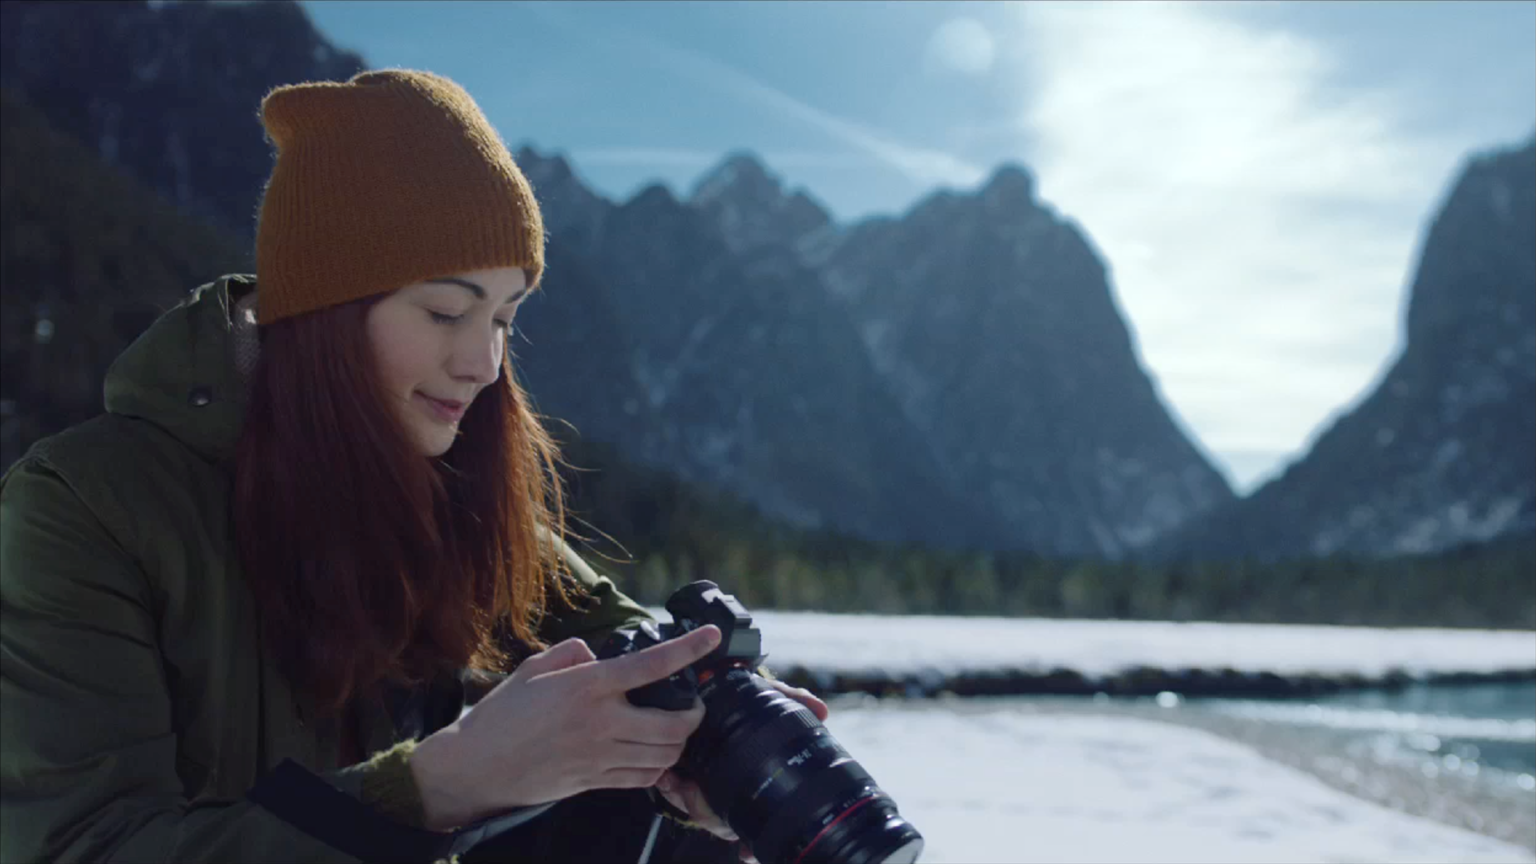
(391,178)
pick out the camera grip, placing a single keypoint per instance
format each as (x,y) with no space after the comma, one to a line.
(675,693)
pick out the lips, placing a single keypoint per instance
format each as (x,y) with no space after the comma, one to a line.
(445,409)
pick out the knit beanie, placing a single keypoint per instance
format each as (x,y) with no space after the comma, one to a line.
(391,178)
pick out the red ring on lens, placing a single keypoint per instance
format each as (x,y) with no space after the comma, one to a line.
(819,834)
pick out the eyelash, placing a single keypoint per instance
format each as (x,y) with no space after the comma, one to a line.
(440,318)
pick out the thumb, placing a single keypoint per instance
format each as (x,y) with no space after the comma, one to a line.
(571,652)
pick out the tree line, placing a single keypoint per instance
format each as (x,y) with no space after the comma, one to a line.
(652,533)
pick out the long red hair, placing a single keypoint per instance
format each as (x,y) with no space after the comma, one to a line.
(367,560)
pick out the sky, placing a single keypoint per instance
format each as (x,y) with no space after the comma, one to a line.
(1257,175)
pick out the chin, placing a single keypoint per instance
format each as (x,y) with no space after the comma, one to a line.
(435,442)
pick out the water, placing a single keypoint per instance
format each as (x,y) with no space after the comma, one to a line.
(1486,731)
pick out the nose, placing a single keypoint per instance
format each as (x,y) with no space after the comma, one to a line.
(477,357)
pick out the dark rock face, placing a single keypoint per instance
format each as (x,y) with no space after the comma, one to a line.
(992,320)
(1440,454)
(751,209)
(170,91)
(742,372)
(90,258)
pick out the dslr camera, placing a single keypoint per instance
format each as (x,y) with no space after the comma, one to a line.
(766,765)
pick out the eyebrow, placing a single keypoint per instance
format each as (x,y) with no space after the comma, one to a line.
(476,289)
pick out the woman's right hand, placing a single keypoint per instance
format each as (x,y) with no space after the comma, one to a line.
(559,725)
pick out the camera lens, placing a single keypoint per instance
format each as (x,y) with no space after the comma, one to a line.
(787,787)
(870,830)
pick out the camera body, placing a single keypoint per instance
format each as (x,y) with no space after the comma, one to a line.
(765,763)
(692,607)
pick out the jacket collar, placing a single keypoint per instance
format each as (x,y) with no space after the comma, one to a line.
(181,373)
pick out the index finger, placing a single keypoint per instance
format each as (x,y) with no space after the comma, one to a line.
(659,661)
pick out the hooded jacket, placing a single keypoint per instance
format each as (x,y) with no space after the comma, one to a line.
(140,718)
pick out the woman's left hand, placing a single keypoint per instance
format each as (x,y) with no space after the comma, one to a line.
(686,795)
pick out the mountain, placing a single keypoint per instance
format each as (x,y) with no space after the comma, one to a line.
(169,91)
(992,320)
(742,372)
(750,207)
(89,257)
(957,376)
(1439,455)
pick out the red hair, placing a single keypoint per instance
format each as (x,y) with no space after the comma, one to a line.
(367,560)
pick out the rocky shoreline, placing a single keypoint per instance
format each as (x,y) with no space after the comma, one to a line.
(1134,681)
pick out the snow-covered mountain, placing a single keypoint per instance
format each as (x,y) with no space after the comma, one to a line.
(1440,454)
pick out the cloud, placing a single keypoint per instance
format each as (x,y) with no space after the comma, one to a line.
(1260,220)
(962,45)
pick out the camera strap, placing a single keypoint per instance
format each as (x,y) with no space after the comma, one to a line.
(650,840)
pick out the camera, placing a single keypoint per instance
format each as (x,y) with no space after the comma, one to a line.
(765,764)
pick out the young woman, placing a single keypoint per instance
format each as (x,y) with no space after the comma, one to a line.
(245,608)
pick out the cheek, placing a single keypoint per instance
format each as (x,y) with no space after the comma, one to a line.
(404,360)
(395,370)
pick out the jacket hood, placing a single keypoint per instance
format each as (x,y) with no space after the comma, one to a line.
(181,374)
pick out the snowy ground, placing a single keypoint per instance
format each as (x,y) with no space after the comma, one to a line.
(991,781)
(995,784)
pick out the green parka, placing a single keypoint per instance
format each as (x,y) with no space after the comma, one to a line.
(140,719)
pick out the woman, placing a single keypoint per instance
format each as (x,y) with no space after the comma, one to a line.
(245,608)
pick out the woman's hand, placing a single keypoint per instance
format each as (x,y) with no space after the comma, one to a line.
(560,725)
(686,795)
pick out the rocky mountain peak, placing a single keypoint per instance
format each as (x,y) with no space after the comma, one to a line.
(566,201)
(996,328)
(1466,273)
(542,170)
(740,176)
(750,206)
(655,196)
(1011,185)
(1439,454)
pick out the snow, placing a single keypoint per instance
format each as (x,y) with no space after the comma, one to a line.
(659,384)
(1447,453)
(992,780)
(1002,785)
(1137,519)
(829,643)
(1455,523)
